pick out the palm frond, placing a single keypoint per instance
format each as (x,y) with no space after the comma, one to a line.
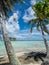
(38,7)
(31,29)
(46,0)
(46,21)
(8,4)
(33,21)
(45,29)
(38,26)
(41,10)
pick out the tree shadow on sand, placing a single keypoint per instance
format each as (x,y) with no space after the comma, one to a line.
(36,56)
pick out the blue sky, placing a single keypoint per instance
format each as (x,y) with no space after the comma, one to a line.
(19,28)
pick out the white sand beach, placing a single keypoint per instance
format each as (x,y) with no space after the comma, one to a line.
(21,57)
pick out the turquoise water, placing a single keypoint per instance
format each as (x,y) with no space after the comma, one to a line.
(21,45)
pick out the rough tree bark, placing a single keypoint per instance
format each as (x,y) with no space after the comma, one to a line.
(46,60)
(10,52)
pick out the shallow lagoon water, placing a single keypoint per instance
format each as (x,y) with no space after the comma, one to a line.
(22,45)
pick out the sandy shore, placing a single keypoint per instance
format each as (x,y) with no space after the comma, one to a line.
(21,56)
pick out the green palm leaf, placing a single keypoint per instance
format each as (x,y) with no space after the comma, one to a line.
(41,10)
(45,28)
(8,4)
(33,21)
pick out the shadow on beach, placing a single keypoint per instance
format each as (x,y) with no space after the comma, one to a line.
(5,64)
(21,56)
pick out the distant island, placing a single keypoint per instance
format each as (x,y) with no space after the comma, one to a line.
(12,38)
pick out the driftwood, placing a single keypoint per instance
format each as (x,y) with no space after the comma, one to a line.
(36,55)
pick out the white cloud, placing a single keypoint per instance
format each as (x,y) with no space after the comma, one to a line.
(26,35)
(33,2)
(12,25)
(29,14)
(15,15)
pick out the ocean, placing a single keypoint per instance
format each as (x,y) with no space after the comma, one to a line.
(22,46)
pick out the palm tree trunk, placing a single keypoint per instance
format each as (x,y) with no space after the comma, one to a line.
(46,60)
(46,44)
(10,52)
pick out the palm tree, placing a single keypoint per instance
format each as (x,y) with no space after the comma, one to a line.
(41,10)
(5,5)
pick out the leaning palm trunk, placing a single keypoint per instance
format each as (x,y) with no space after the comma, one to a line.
(10,52)
(46,60)
(45,41)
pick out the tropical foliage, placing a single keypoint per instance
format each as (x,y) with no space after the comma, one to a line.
(5,5)
(41,10)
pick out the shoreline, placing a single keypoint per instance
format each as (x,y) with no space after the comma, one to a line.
(19,50)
